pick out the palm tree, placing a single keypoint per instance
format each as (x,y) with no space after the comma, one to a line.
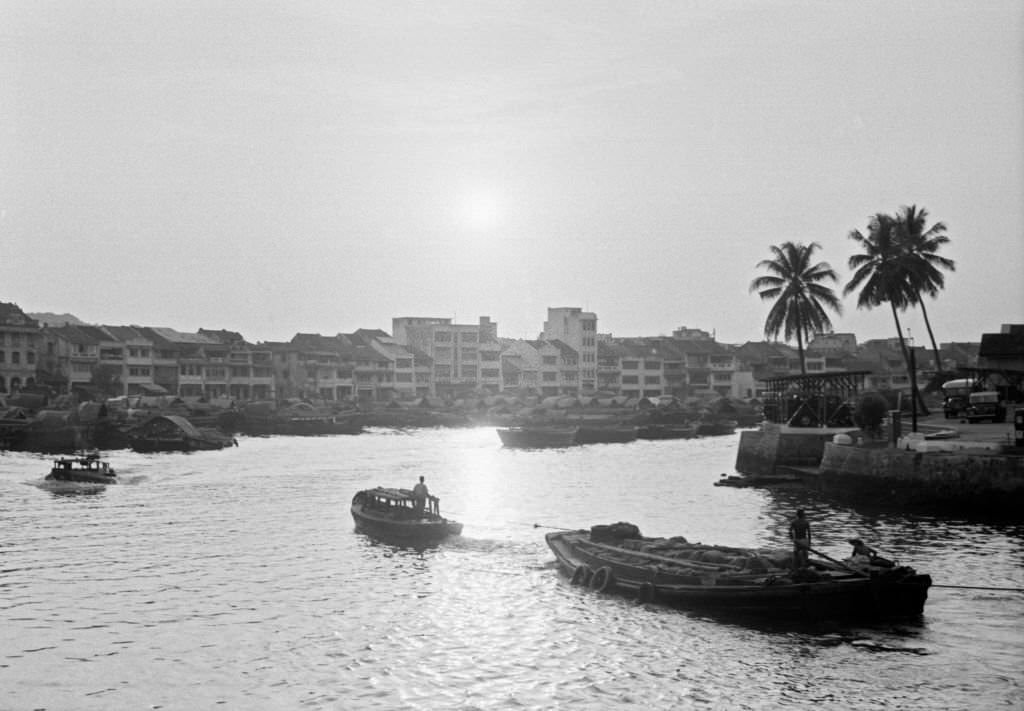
(793,282)
(883,274)
(879,271)
(919,246)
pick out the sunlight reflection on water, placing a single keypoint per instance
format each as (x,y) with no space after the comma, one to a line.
(236,575)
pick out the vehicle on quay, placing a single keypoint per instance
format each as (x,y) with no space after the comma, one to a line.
(616,558)
(955,397)
(538,436)
(87,469)
(392,516)
(985,405)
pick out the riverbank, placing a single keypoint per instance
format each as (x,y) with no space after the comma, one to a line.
(949,465)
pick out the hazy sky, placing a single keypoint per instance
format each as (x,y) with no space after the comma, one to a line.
(325,166)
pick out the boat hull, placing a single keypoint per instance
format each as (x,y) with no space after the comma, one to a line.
(537,437)
(828,593)
(401,526)
(597,434)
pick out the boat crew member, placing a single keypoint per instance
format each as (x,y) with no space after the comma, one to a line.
(800,532)
(861,552)
(419,496)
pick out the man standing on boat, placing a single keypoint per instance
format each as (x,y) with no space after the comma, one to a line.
(419,496)
(800,532)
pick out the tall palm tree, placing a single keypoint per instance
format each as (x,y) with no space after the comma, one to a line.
(883,275)
(878,271)
(793,282)
(919,246)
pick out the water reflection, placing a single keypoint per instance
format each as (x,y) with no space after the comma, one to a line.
(238,574)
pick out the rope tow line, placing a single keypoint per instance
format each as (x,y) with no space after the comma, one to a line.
(977,587)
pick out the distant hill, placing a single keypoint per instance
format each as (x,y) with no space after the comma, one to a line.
(48,319)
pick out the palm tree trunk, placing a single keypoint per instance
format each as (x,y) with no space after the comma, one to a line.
(800,348)
(935,348)
(914,392)
(899,332)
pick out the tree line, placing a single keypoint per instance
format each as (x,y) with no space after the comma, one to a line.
(898,264)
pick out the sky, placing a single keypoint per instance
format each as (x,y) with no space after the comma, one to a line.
(274,168)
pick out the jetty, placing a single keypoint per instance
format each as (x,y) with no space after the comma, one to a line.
(953,465)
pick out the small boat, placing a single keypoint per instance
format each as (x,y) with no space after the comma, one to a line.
(616,558)
(174,433)
(89,469)
(716,427)
(537,436)
(666,431)
(391,515)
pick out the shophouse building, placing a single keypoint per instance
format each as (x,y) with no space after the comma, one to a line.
(20,343)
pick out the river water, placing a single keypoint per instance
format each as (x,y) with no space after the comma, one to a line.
(234,579)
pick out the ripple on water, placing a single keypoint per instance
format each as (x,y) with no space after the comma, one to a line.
(237,575)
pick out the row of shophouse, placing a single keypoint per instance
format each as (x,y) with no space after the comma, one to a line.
(424,357)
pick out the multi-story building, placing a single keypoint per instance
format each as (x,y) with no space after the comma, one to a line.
(403,364)
(19,347)
(455,351)
(314,366)
(250,368)
(577,329)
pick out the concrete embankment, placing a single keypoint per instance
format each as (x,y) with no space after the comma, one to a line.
(966,480)
(971,472)
(765,451)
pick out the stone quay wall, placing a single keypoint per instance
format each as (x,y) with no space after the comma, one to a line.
(966,480)
(760,451)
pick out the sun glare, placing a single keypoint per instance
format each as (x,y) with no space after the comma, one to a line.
(478,211)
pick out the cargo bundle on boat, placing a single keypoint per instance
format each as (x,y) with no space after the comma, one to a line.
(393,515)
(616,558)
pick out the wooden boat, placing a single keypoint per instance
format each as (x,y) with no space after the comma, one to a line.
(88,469)
(173,433)
(616,558)
(715,427)
(391,515)
(537,436)
(666,431)
(600,434)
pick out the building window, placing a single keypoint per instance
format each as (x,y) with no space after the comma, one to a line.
(469,371)
(630,365)
(403,377)
(652,365)
(30,357)
(468,337)
(15,357)
(442,336)
(489,373)
(442,371)
(468,354)
(548,376)
(443,353)
(630,379)
(549,360)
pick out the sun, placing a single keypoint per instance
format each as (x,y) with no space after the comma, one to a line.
(478,210)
